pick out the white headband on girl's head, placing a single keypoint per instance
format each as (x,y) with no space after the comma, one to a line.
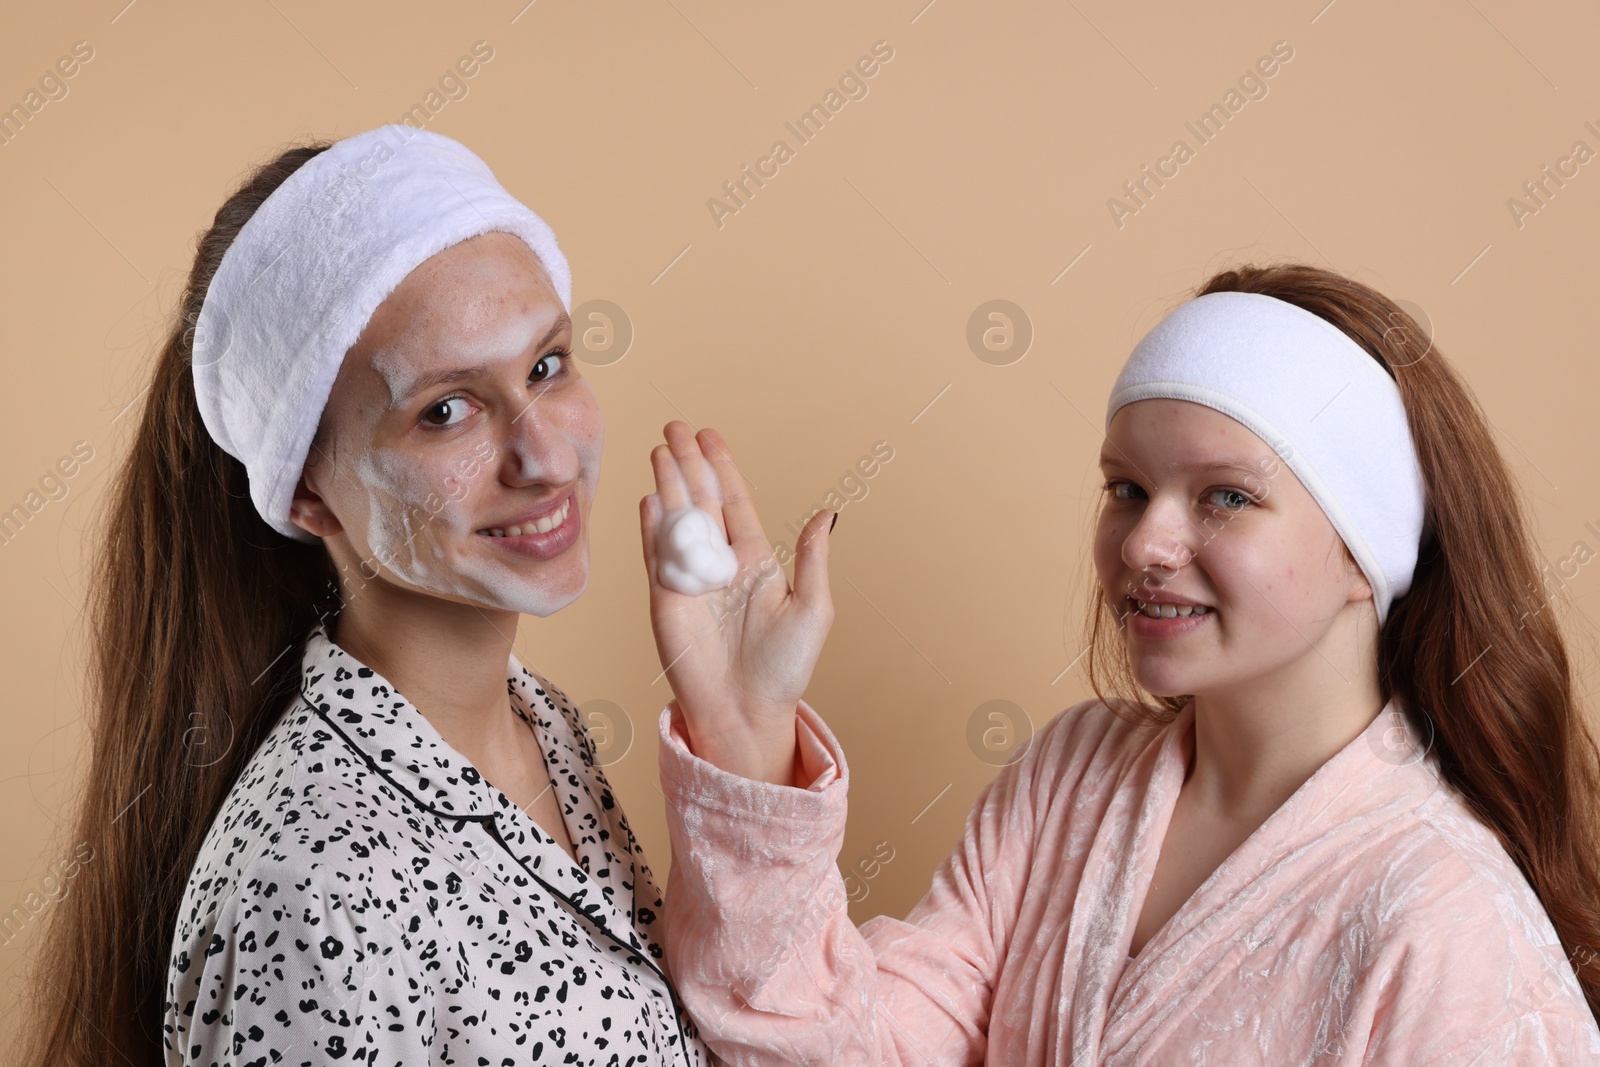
(1319,399)
(306,272)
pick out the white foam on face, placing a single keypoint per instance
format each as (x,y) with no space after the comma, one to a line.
(391,367)
(477,338)
(425,504)
(420,529)
(515,580)
(692,553)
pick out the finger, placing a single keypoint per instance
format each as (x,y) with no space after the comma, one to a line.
(670,487)
(738,510)
(649,520)
(811,564)
(697,473)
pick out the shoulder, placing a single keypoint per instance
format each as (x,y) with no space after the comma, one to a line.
(288,949)
(1076,759)
(1461,921)
(1093,734)
(1451,863)
(308,880)
(306,812)
(1539,1036)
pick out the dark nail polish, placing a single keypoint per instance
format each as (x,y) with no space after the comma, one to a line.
(834,523)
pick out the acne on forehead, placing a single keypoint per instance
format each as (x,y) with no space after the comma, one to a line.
(456,304)
(480,336)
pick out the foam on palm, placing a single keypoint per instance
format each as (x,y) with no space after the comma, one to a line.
(692,553)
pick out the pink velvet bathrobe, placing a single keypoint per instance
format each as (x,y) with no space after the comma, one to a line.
(1372,919)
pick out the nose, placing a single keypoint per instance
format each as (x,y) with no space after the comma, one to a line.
(1159,545)
(535,448)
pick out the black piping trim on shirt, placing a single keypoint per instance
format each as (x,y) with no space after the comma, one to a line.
(491,824)
(381,771)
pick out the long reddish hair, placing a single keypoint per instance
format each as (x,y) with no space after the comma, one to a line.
(200,614)
(1509,733)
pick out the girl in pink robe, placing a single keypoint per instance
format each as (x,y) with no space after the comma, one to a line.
(1370,917)
(1370,920)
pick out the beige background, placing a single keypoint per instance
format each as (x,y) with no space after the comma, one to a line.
(834,304)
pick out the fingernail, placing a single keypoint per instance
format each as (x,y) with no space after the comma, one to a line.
(834,523)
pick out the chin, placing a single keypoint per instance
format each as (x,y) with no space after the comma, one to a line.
(564,588)
(1165,680)
(580,581)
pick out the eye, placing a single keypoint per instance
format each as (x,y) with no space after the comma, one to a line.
(561,371)
(1243,499)
(1239,501)
(445,405)
(442,412)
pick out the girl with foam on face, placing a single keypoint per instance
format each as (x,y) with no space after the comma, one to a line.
(1341,809)
(370,833)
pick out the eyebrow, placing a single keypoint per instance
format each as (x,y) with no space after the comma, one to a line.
(1224,466)
(444,375)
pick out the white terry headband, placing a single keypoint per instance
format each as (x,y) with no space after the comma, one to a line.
(306,272)
(1319,399)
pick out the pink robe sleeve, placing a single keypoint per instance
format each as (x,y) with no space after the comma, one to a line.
(759,940)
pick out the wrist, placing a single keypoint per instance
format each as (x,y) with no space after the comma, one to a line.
(769,753)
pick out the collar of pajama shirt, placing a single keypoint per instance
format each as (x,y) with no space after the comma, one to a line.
(528,953)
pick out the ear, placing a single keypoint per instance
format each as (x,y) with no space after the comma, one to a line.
(1360,588)
(308,511)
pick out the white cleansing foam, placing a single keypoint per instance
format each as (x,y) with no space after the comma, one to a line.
(692,553)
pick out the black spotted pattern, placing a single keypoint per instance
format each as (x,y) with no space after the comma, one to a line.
(365,896)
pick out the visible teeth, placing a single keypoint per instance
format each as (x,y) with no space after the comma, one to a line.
(1169,611)
(544,525)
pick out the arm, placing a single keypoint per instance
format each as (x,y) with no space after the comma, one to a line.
(1507,992)
(757,928)
(759,939)
(1553,1038)
(296,974)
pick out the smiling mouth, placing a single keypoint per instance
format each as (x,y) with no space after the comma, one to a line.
(1166,611)
(543,524)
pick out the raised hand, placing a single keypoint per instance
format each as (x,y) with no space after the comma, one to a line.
(738,659)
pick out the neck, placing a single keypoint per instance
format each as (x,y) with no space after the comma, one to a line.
(1256,743)
(449,660)
(1248,760)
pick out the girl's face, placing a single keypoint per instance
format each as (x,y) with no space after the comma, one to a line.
(458,415)
(1198,509)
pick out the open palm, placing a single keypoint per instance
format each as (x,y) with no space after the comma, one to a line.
(738,659)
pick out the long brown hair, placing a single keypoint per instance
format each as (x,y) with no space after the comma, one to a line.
(200,612)
(1509,733)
